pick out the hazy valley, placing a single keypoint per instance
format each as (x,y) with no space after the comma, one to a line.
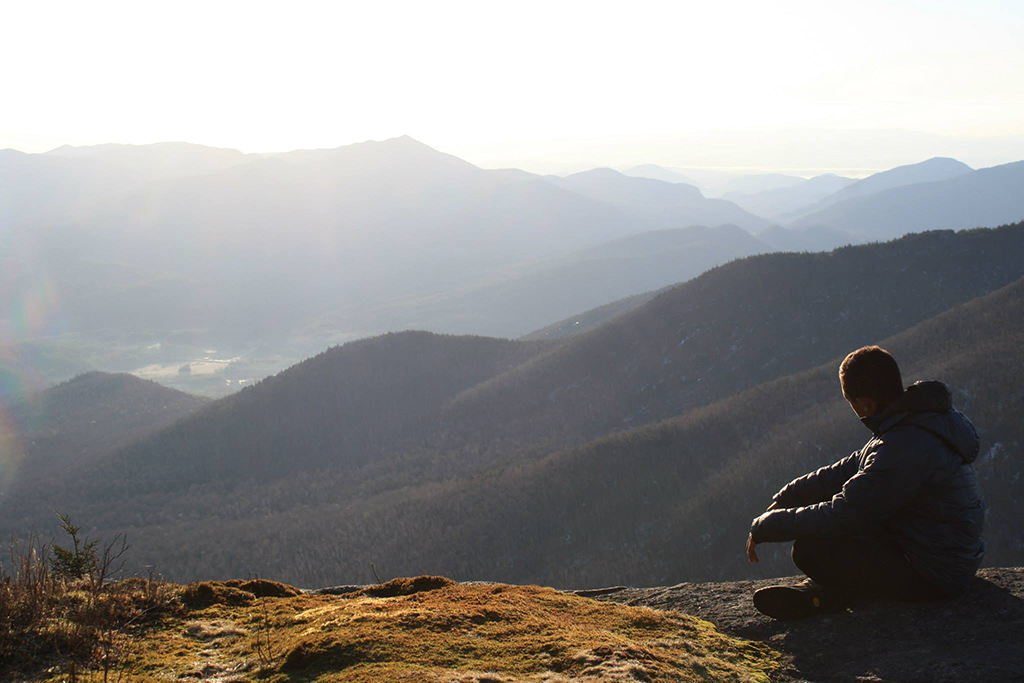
(208,269)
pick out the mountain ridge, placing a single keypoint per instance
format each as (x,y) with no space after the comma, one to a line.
(776,204)
(74,423)
(985,196)
(929,170)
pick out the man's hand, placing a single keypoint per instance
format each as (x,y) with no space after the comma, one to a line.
(751,549)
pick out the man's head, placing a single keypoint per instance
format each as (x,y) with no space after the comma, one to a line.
(870,379)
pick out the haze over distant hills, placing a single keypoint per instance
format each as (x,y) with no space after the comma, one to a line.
(756,183)
(656,172)
(156,258)
(518,300)
(183,248)
(987,196)
(938,168)
(777,203)
(658,204)
(713,182)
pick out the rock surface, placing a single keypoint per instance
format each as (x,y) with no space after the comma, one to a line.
(978,636)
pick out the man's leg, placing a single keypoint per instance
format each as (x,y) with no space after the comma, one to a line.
(840,571)
(853,568)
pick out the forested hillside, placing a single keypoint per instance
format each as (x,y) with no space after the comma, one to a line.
(664,503)
(673,501)
(333,411)
(50,432)
(430,453)
(736,326)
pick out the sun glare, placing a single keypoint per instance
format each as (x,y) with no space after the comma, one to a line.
(255,77)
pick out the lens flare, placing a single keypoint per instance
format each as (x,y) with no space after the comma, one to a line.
(11,449)
(31,309)
(30,312)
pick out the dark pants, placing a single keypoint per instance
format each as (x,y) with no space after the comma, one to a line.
(851,569)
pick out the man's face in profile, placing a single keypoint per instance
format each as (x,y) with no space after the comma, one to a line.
(864,407)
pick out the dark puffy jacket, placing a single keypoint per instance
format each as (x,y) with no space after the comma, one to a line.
(912,482)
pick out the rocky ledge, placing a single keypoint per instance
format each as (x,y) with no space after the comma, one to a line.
(978,636)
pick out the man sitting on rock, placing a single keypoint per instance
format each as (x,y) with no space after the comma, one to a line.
(899,519)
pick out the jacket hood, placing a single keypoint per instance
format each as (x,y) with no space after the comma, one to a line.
(929,405)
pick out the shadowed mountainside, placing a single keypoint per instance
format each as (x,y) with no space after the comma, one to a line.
(70,425)
(336,410)
(736,326)
(595,317)
(466,455)
(675,499)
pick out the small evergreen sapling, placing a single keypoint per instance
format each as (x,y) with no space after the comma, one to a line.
(79,561)
(83,560)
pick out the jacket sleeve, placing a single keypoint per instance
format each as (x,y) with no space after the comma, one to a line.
(892,475)
(819,485)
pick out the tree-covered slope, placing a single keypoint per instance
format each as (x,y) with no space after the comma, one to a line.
(435,453)
(734,327)
(70,425)
(673,501)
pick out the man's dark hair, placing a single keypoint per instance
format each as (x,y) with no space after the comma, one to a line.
(871,372)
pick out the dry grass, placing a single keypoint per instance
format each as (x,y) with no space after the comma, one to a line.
(432,629)
(426,628)
(72,629)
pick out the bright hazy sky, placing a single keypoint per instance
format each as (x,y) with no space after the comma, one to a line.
(533,82)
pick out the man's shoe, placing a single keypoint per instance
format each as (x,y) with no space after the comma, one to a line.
(805,599)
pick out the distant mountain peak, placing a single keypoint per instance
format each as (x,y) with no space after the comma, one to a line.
(404,145)
(943,161)
(927,171)
(600,171)
(401,140)
(940,193)
(935,164)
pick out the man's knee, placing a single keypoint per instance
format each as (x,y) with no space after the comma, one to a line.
(808,554)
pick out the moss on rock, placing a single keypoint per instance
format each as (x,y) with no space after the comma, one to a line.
(429,628)
(207,593)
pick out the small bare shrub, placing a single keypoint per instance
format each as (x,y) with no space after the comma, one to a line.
(60,608)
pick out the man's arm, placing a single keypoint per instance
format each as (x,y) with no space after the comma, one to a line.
(817,486)
(892,475)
